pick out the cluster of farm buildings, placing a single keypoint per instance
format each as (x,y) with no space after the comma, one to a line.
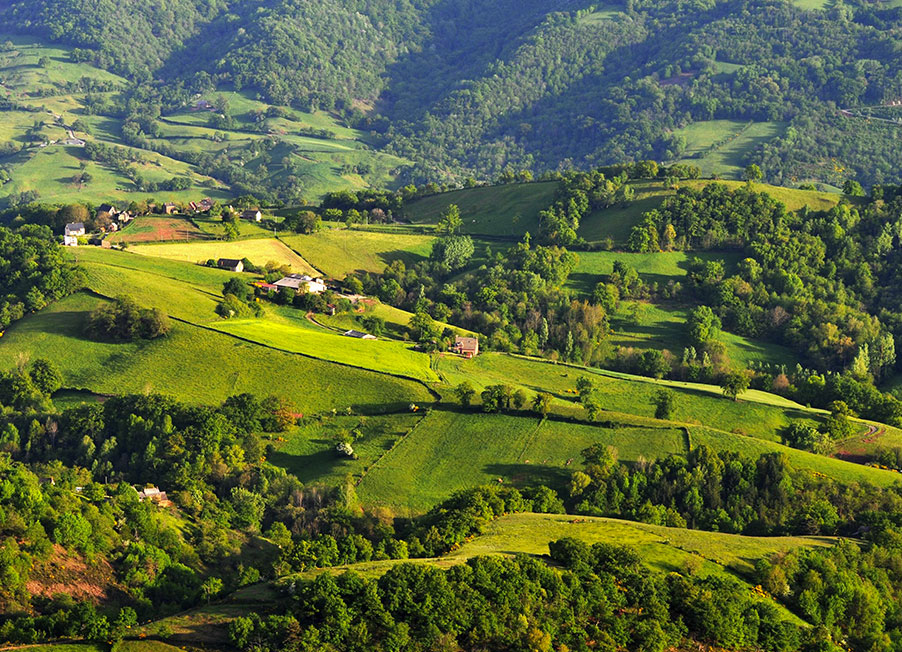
(115,219)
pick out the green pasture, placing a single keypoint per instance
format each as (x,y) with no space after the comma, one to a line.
(707,150)
(308,451)
(453,450)
(21,71)
(207,278)
(615,222)
(299,336)
(50,171)
(195,365)
(661,267)
(811,4)
(259,252)
(396,320)
(63,647)
(759,414)
(339,252)
(792,198)
(247,230)
(508,210)
(642,325)
(818,464)
(663,548)
(194,303)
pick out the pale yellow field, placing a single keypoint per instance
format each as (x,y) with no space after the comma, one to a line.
(258,252)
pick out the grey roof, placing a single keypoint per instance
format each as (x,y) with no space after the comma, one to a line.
(359,335)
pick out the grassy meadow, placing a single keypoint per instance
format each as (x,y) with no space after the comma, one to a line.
(722,147)
(508,210)
(195,365)
(258,251)
(308,451)
(386,356)
(452,450)
(759,414)
(339,252)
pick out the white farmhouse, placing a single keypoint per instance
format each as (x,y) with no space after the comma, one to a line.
(299,282)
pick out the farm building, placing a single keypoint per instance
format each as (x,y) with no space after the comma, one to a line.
(298,281)
(231,264)
(466,346)
(252,214)
(203,206)
(169,208)
(360,335)
(75,228)
(154,495)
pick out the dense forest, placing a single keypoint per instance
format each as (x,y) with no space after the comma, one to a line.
(474,88)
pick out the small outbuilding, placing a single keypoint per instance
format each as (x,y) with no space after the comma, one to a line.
(231,264)
(360,335)
(252,214)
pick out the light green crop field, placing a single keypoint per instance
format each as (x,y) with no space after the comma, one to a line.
(455,450)
(508,210)
(396,320)
(387,356)
(258,252)
(194,365)
(339,252)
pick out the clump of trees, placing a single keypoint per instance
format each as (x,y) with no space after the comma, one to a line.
(34,272)
(123,320)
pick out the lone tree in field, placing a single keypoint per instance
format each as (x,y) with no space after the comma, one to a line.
(753,173)
(541,403)
(451,221)
(664,401)
(734,384)
(465,393)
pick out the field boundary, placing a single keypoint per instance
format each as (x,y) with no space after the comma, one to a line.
(435,395)
(394,445)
